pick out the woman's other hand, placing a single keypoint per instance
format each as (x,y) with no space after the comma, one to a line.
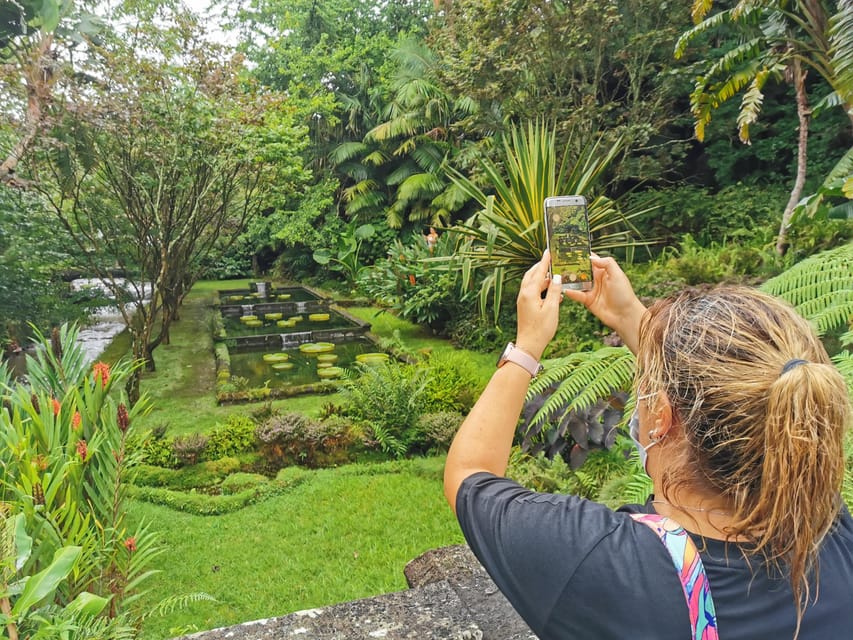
(612,300)
(537,316)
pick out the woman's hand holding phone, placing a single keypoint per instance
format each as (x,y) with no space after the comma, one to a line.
(612,300)
(537,316)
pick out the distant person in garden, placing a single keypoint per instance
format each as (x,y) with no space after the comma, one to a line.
(740,421)
(431,238)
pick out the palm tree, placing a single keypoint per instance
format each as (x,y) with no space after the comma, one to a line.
(398,166)
(778,40)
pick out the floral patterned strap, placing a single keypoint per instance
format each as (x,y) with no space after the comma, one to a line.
(691,572)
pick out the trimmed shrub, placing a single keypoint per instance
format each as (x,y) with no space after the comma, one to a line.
(436,430)
(236,436)
(238,482)
(190,448)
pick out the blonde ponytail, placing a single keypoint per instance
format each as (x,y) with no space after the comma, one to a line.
(764,414)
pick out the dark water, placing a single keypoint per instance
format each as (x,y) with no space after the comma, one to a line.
(251,365)
(234,327)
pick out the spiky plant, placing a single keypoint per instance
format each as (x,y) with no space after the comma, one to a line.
(508,235)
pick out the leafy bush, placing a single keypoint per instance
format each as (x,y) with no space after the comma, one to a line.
(157,450)
(237,435)
(293,438)
(470,330)
(436,430)
(387,399)
(239,482)
(189,449)
(452,383)
(416,288)
(740,213)
(554,475)
(64,466)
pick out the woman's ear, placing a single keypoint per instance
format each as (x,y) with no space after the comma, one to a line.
(662,417)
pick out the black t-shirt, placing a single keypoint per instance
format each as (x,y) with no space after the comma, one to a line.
(575,569)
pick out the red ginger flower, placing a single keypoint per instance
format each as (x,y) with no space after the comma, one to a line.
(101,373)
(122,418)
(76,419)
(412,280)
(82,449)
(130,544)
(56,406)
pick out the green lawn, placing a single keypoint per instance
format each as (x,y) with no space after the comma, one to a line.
(344,534)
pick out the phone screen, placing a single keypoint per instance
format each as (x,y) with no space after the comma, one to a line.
(567,228)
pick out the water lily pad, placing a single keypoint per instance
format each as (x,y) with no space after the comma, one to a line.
(248,318)
(327,357)
(254,323)
(235,298)
(273,316)
(312,348)
(330,372)
(283,366)
(296,318)
(318,317)
(286,323)
(276,357)
(373,358)
(324,365)
(283,296)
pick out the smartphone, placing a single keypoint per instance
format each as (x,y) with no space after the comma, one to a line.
(567,235)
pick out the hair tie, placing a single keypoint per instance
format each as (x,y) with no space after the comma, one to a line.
(796,362)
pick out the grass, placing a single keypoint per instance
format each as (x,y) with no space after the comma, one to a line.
(343,534)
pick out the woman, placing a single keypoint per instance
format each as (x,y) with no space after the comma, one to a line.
(740,422)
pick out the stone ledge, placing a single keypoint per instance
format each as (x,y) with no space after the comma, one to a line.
(451,598)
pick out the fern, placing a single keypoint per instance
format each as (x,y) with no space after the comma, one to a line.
(583,380)
(168,605)
(820,288)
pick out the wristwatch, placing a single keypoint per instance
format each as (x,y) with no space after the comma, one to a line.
(521,358)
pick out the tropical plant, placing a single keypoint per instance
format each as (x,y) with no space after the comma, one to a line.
(834,198)
(820,288)
(414,285)
(415,141)
(778,40)
(349,245)
(388,399)
(64,466)
(577,400)
(508,234)
(27,601)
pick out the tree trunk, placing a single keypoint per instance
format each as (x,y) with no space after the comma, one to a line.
(804,115)
(39,79)
(132,386)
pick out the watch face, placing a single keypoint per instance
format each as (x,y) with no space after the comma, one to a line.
(502,358)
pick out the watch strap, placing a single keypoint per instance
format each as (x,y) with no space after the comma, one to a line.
(521,358)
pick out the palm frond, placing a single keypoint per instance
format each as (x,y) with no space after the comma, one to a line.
(750,105)
(841,49)
(708,24)
(347,151)
(419,185)
(819,287)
